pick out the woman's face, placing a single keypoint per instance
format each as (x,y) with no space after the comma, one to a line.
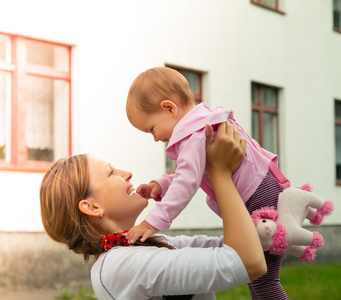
(114,192)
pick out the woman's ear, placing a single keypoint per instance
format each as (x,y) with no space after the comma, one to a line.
(169,106)
(89,208)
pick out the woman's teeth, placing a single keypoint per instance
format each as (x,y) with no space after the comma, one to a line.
(131,190)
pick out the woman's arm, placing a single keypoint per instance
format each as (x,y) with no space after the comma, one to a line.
(196,241)
(224,156)
(145,272)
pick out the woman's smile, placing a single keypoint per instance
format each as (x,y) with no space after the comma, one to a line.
(130,190)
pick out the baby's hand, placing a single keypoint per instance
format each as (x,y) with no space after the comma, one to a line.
(144,229)
(151,190)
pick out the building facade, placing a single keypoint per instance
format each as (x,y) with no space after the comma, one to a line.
(66,67)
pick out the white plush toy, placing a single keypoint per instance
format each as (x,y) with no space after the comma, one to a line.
(281,230)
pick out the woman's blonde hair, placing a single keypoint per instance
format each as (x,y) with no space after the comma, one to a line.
(64,185)
(154,85)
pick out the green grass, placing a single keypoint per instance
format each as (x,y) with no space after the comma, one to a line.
(301,282)
(82,294)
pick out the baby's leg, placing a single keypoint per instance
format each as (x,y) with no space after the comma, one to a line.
(268,287)
(265,195)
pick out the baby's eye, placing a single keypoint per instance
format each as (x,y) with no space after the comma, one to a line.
(151,130)
(111,172)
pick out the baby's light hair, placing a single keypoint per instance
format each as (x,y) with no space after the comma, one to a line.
(153,86)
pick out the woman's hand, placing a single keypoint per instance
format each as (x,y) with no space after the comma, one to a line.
(227,152)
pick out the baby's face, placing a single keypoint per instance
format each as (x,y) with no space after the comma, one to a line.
(160,123)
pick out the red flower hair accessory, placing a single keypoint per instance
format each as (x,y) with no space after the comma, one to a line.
(110,240)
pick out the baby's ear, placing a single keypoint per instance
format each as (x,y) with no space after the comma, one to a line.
(169,106)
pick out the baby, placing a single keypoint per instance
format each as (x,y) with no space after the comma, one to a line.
(160,102)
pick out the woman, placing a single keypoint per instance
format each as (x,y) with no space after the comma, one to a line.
(83,198)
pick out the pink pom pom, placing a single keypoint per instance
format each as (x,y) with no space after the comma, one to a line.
(279,241)
(326,209)
(264,213)
(307,187)
(317,241)
(308,255)
(318,219)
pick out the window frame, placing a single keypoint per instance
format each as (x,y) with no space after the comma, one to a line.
(18,68)
(261,109)
(337,121)
(276,9)
(336,29)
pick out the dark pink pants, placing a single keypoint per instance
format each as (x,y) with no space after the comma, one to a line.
(267,287)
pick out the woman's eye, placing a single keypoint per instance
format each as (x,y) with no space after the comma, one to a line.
(152,129)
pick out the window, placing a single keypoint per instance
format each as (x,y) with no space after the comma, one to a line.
(194,80)
(35,88)
(337,15)
(269,4)
(338,140)
(265,116)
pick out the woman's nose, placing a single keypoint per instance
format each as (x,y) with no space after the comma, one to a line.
(127,176)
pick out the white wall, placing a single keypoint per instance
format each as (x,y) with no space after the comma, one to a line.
(235,42)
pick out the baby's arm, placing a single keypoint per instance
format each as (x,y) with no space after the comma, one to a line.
(151,190)
(184,184)
(191,163)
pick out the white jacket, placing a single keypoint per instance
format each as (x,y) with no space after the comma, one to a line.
(199,265)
